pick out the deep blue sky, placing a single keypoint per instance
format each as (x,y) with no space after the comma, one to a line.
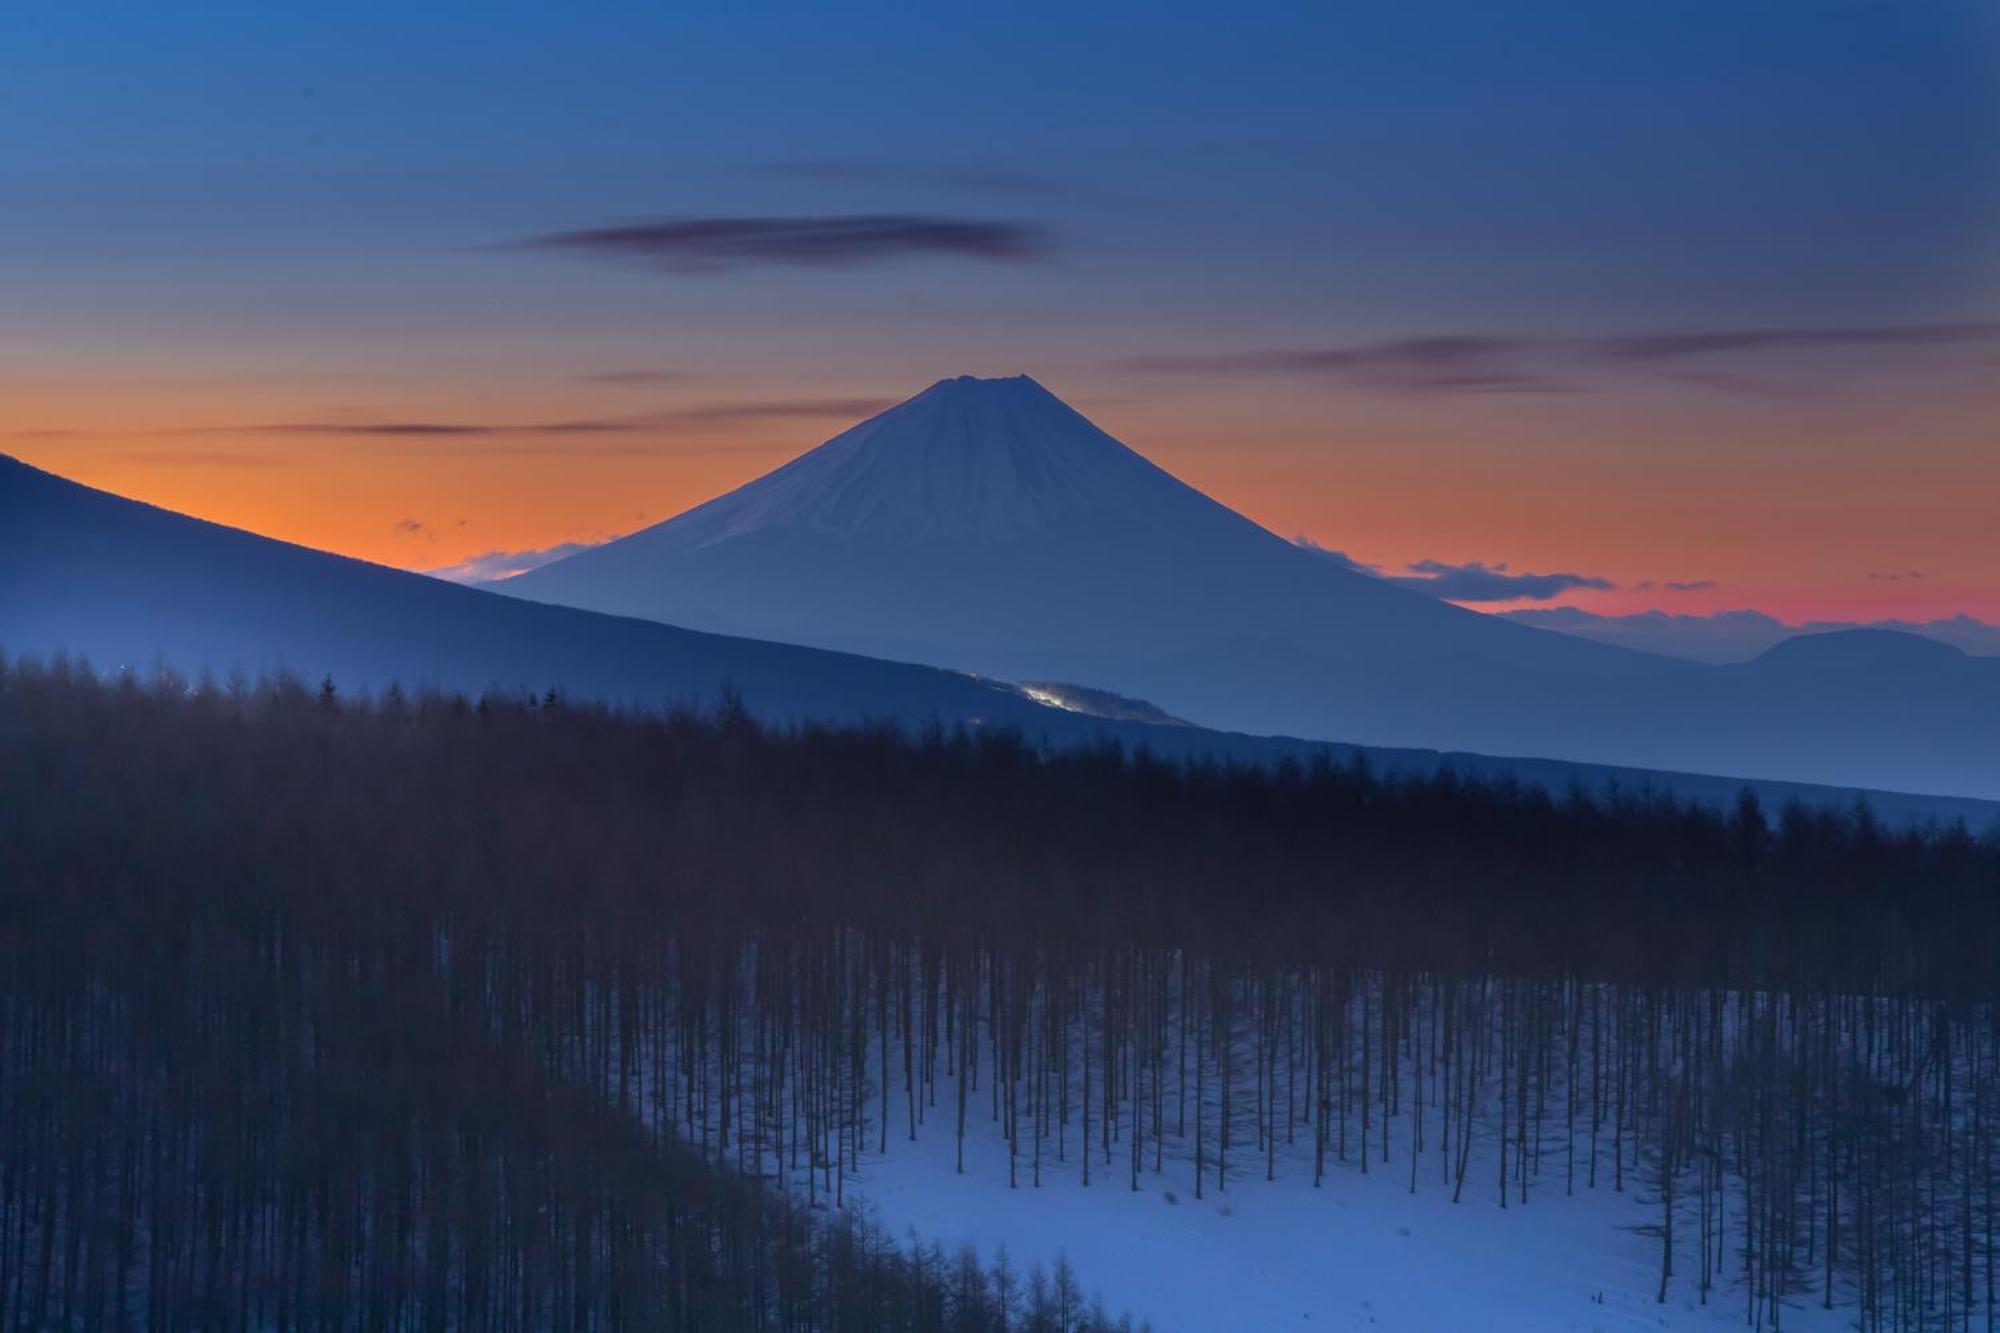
(288,195)
(1414,160)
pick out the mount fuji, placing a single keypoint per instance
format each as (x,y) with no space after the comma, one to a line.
(986,526)
(127,586)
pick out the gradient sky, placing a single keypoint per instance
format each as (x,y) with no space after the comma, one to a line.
(1703,293)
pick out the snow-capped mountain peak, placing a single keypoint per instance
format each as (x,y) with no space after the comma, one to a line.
(987,527)
(967,459)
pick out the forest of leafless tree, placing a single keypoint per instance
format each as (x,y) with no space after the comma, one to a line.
(424,1012)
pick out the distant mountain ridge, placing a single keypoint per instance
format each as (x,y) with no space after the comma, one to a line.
(1864,650)
(986,526)
(124,585)
(1726,637)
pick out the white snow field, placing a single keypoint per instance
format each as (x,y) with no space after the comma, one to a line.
(1360,1252)
(1366,1249)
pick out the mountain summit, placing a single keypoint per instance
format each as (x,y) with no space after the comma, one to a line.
(986,526)
(968,459)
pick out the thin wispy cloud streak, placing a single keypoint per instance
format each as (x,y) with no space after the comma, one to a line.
(707,414)
(424,429)
(1474,581)
(1478,582)
(724,244)
(572,448)
(1454,363)
(529,437)
(491,565)
(1486,363)
(1673,346)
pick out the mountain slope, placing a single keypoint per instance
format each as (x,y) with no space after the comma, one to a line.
(125,584)
(987,526)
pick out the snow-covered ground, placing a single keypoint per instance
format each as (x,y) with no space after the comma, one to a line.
(1367,1249)
(1360,1252)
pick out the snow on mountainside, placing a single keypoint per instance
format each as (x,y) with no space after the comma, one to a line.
(978,460)
(985,525)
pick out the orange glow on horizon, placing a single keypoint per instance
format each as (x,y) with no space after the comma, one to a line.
(1804,513)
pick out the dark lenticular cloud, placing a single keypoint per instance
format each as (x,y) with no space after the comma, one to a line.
(713,245)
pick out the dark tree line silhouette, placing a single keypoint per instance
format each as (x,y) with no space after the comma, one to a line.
(427,1012)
